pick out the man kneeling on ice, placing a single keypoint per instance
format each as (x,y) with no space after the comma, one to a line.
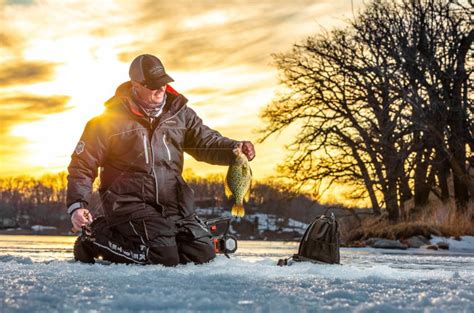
(138,144)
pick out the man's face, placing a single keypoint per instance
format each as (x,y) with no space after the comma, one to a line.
(150,96)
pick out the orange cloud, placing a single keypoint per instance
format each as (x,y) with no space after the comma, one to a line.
(25,108)
(10,42)
(226,33)
(22,72)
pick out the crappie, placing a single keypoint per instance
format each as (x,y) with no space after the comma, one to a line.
(238,182)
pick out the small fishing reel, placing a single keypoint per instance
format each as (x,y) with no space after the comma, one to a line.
(223,242)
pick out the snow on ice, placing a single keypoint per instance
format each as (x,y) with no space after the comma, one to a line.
(369,280)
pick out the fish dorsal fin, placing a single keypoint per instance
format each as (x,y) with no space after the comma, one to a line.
(246,170)
(247,194)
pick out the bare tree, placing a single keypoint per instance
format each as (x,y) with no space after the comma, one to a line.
(430,42)
(368,106)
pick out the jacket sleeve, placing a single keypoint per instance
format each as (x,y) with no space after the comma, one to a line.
(85,161)
(206,144)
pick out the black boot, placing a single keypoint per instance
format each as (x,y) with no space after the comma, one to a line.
(84,250)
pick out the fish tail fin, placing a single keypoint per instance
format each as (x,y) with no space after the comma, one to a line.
(238,210)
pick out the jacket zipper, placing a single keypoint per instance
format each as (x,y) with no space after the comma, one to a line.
(153,162)
(145,147)
(166,146)
(155,178)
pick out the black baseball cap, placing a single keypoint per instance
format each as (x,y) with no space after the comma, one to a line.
(149,71)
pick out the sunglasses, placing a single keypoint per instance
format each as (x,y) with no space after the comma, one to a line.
(152,88)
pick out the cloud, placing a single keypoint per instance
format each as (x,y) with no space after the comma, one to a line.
(20,2)
(216,94)
(19,109)
(11,44)
(10,148)
(22,72)
(25,108)
(227,34)
(9,40)
(203,90)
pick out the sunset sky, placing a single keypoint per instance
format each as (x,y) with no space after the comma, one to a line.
(61,60)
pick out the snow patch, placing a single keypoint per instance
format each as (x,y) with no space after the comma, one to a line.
(41,227)
(17,259)
(466,244)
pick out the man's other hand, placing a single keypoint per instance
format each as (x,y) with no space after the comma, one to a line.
(79,218)
(248,149)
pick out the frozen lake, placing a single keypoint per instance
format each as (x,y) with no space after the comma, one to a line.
(37,274)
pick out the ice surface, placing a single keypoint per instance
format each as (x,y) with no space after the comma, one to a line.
(369,280)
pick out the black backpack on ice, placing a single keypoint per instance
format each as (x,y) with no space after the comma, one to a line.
(320,242)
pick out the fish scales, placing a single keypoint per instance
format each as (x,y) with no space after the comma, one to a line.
(238,182)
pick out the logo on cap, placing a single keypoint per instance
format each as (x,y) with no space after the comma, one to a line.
(156,70)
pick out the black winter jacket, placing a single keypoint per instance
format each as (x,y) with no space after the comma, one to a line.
(141,163)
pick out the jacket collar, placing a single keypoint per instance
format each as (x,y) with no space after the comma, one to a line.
(123,98)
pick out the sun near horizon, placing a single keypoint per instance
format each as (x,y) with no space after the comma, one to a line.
(62,60)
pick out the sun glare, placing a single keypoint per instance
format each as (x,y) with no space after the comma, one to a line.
(79,56)
(88,75)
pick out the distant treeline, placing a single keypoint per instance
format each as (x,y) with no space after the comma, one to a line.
(26,201)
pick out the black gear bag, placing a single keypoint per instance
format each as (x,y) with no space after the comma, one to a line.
(320,242)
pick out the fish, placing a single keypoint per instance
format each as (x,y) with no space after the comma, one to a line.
(238,182)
